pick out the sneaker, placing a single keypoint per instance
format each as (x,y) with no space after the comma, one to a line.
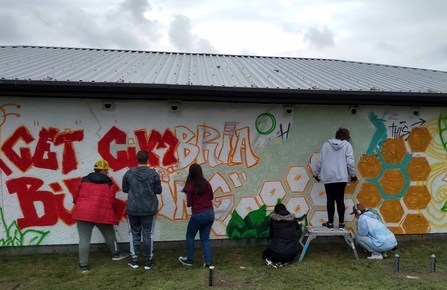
(148,264)
(133,263)
(83,269)
(328,225)
(341,226)
(384,255)
(120,256)
(205,265)
(280,265)
(375,257)
(269,263)
(185,261)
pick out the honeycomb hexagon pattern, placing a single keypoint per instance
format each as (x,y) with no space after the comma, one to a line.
(392,211)
(394,150)
(415,224)
(297,178)
(271,191)
(419,139)
(369,195)
(418,169)
(350,188)
(392,181)
(417,197)
(298,205)
(369,166)
(396,230)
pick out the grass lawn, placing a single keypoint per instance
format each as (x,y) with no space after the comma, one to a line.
(325,266)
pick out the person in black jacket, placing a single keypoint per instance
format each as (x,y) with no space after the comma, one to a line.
(283,247)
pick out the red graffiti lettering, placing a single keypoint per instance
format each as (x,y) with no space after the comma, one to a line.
(5,168)
(158,141)
(28,193)
(43,156)
(43,146)
(121,160)
(24,160)
(69,160)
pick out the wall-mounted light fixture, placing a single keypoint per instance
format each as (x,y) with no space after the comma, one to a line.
(288,110)
(174,107)
(415,112)
(108,105)
(353,111)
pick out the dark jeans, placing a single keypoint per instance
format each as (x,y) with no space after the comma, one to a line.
(138,225)
(335,192)
(200,222)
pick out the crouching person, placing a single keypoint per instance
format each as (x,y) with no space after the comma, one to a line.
(283,247)
(372,234)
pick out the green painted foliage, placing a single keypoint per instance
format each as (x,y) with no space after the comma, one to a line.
(14,237)
(255,225)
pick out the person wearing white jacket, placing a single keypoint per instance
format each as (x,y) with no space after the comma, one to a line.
(372,234)
(335,163)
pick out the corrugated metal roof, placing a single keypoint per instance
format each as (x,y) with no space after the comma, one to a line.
(37,63)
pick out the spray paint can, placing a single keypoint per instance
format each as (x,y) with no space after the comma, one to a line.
(210,277)
(432,263)
(396,263)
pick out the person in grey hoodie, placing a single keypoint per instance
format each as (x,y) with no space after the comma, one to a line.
(142,184)
(335,163)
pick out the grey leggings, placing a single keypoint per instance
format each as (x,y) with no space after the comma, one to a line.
(85,234)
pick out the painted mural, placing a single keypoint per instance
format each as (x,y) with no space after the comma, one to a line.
(253,155)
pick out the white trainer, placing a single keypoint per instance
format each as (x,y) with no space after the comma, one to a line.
(376,257)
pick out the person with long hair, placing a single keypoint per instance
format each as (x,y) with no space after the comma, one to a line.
(335,163)
(199,196)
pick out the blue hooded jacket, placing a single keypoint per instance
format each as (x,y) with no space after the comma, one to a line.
(379,235)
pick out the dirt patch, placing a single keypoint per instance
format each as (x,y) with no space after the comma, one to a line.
(10,286)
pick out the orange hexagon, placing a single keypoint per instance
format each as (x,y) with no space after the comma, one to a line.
(350,188)
(419,139)
(392,211)
(417,197)
(369,195)
(369,166)
(396,230)
(418,169)
(392,181)
(415,224)
(394,150)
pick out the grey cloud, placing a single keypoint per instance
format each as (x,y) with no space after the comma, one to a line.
(203,45)
(319,38)
(382,45)
(137,9)
(181,37)
(179,33)
(12,34)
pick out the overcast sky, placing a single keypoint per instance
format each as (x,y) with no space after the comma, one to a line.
(409,33)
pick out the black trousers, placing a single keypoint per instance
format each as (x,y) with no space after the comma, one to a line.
(335,193)
(278,257)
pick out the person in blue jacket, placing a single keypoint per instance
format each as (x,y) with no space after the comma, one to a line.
(372,234)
